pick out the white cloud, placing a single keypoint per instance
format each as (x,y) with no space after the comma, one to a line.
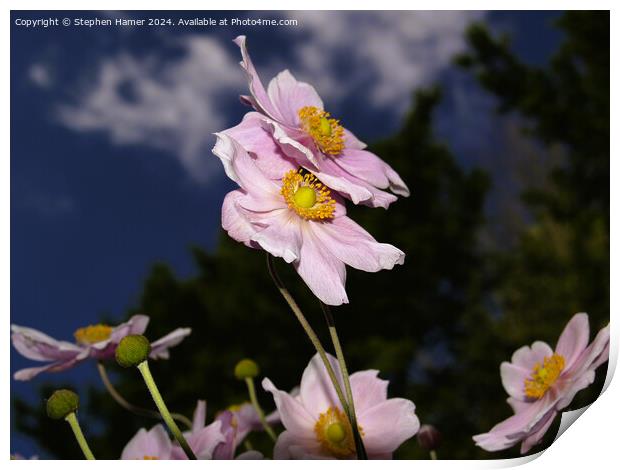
(169,105)
(389,52)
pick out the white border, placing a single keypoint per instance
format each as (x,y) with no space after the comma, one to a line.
(590,443)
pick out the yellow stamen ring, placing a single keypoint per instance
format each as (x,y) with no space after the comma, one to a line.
(307,196)
(327,133)
(543,376)
(334,433)
(93,334)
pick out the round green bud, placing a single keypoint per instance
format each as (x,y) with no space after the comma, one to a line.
(246,369)
(62,403)
(132,350)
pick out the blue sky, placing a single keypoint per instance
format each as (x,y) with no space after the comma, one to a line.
(111,128)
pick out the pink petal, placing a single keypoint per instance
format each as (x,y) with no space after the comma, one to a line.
(537,436)
(31,372)
(510,431)
(368,390)
(202,442)
(354,188)
(37,346)
(317,392)
(282,236)
(352,245)
(289,446)
(371,169)
(295,144)
(136,325)
(159,349)
(247,420)
(527,357)
(352,142)
(241,167)
(596,353)
(324,274)
(294,416)
(233,221)
(153,443)
(289,96)
(200,416)
(387,425)
(261,99)
(513,379)
(574,339)
(517,405)
(226,450)
(255,139)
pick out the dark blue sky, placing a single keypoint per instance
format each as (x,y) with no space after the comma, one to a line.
(108,179)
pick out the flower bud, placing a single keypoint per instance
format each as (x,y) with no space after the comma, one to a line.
(246,369)
(62,403)
(429,437)
(132,350)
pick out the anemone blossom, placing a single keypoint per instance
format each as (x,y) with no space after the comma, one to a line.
(91,342)
(317,427)
(290,124)
(299,219)
(541,382)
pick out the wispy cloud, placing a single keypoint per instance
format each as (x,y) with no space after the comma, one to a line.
(388,53)
(165,104)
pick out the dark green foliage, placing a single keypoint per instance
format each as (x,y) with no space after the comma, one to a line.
(437,327)
(560,265)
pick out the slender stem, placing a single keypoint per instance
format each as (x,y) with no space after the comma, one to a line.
(131,407)
(308,329)
(331,324)
(261,414)
(433,455)
(163,409)
(71,418)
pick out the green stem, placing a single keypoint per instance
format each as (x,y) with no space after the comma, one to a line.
(71,418)
(329,318)
(118,398)
(261,414)
(308,329)
(163,409)
(433,455)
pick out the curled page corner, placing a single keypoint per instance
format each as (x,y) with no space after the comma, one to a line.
(569,417)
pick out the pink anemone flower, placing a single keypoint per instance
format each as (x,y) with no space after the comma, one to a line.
(541,382)
(205,441)
(298,219)
(91,342)
(317,427)
(290,117)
